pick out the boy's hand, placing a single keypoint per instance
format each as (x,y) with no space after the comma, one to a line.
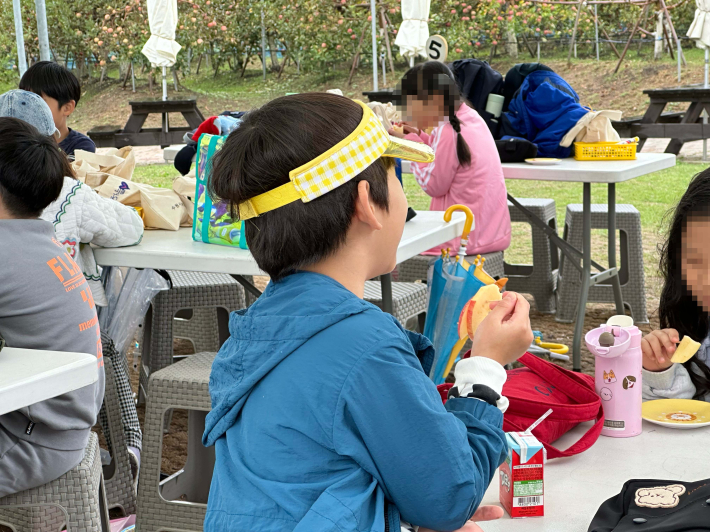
(484,513)
(505,334)
(658,348)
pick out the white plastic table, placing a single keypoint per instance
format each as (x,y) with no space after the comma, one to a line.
(29,376)
(175,250)
(575,487)
(588,172)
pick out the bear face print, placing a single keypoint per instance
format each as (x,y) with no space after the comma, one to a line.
(606,394)
(660,497)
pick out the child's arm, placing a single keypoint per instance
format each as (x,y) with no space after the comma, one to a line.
(434,466)
(435,178)
(672,383)
(106,222)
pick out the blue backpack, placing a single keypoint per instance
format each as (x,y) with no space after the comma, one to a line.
(544,110)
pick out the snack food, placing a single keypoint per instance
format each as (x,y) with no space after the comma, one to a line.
(477,309)
(685,351)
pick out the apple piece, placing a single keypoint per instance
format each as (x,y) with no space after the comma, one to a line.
(483,298)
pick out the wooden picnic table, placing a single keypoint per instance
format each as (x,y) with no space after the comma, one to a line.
(134,134)
(680,127)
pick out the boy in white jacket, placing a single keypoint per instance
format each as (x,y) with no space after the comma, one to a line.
(81,217)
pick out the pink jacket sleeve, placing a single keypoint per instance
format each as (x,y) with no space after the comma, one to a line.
(435,178)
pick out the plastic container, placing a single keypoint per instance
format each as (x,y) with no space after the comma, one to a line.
(604,151)
(618,379)
(494,104)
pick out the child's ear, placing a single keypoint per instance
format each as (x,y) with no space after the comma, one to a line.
(364,208)
(68,108)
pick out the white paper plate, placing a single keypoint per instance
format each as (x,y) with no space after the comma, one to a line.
(543,161)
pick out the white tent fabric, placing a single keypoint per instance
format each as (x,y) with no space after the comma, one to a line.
(700,28)
(161,49)
(414,31)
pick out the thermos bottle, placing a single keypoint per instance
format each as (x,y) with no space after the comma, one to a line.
(618,363)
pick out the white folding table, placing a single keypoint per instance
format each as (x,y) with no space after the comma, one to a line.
(29,376)
(588,172)
(575,487)
(175,250)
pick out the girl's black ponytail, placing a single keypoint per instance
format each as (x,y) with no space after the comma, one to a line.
(462,150)
(435,78)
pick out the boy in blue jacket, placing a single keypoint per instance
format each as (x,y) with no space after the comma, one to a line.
(323,416)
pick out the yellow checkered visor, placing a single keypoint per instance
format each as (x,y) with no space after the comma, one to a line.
(338,165)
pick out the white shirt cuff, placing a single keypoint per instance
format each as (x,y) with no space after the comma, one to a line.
(480,370)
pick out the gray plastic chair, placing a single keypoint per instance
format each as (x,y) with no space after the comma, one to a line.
(415,269)
(183,385)
(631,273)
(408,300)
(540,278)
(210,297)
(76,500)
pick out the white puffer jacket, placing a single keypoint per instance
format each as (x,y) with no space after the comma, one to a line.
(82,217)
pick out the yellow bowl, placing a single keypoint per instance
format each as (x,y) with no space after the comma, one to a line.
(677,413)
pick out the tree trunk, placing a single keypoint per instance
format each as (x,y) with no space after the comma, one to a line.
(199,63)
(511,44)
(275,66)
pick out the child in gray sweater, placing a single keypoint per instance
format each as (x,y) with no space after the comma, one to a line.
(45,303)
(685,302)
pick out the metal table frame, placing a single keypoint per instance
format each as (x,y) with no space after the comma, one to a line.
(574,255)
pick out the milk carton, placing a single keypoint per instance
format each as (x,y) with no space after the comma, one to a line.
(521,476)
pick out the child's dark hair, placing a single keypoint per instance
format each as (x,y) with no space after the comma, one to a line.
(32,169)
(52,79)
(427,79)
(679,309)
(279,137)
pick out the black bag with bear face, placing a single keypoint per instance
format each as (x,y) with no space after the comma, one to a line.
(656,506)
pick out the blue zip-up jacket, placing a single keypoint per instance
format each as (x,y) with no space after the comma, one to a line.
(324,420)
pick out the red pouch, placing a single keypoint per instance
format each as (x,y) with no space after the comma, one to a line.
(542,385)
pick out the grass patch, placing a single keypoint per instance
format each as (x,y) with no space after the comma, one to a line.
(158,175)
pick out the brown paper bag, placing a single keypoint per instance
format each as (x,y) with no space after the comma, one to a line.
(94,168)
(185,187)
(162,208)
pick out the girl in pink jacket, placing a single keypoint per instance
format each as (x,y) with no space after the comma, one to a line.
(467,169)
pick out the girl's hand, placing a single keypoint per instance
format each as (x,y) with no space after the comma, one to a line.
(505,334)
(484,513)
(658,348)
(394,133)
(410,129)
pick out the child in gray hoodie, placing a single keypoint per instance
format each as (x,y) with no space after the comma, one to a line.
(45,303)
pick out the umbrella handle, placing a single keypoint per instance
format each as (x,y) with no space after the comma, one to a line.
(466,227)
(469,218)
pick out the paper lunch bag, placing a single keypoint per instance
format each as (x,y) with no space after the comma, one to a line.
(211,222)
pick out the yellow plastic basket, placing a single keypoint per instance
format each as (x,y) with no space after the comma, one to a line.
(604,151)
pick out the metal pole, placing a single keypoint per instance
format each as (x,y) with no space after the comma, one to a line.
(705,141)
(133,77)
(384,71)
(680,52)
(575,50)
(19,37)
(165,84)
(373,16)
(707,64)
(596,28)
(263,42)
(42,34)
(538,51)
